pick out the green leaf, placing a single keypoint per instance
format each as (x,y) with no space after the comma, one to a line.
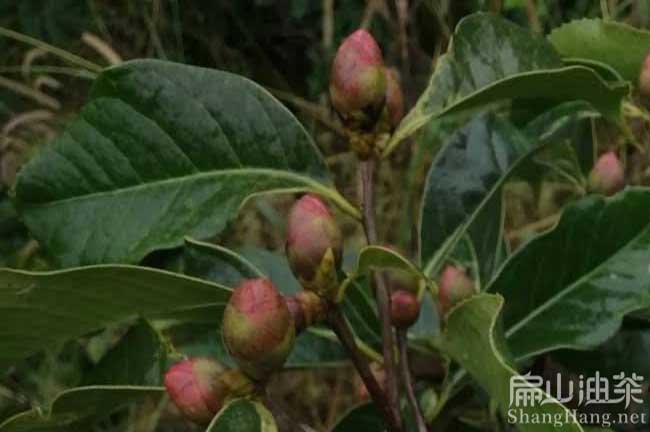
(468,173)
(571,287)
(242,415)
(474,339)
(75,409)
(137,359)
(41,309)
(613,43)
(217,263)
(360,418)
(163,151)
(493,60)
(381,257)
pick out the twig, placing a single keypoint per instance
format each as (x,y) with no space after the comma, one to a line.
(63,54)
(104,49)
(311,109)
(533,17)
(539,225)
(340,326)
(402,343)
(381,291)
(402,7)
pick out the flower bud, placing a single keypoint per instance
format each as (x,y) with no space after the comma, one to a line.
(358,81)
(404,308)
(193,386)
(394,98)
(607,175)
(644,77)
(454,286)
(314,245)
(258,330)
(306,308)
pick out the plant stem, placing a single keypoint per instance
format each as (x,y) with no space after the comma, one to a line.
(340,326)
(381,291)
(63,54)
(402,343)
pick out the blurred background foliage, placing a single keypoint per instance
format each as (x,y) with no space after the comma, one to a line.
(285,45)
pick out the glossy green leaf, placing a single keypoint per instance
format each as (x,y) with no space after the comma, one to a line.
(217,263)
(242,415)
(616,44)
(41,309)
(493,60)
(360,418)
(138,359)
(76,409)
(474,338)
(468,173)
(571,287)
(162,151)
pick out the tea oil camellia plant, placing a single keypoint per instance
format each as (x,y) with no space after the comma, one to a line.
(163,155)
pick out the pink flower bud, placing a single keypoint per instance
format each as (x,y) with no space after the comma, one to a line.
(607,176)
(307,308)
(193,385)
(394,98)
(257,329)
(644,77)
(358,81)
(314,244)
(404,308)
(454,286)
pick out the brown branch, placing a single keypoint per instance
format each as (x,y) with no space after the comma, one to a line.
(381,290)
(341,328)
(402,343)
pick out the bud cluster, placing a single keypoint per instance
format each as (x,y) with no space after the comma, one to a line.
(365,94)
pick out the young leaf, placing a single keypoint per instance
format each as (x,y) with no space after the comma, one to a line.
(616,44)
(242,415)
(41,309)
(571,287)
(163,151)
(474,339)
(491,59)
(78,406)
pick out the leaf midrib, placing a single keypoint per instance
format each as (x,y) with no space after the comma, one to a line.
(548,303)
(309,182)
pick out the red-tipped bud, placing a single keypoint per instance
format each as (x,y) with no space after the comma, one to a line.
(358,81)
(404,308)
(644,77)
(307,308)
(607,176)
(394,98)
(454,286)
(314,245)
(193,385)
(258,329)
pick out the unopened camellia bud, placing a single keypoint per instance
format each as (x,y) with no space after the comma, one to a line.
(193,385)
(358,81)
(644,77)
(607,176)
(258,329)
(314,245)
(306,308)
(394,98)
(404,308)
(454,286)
